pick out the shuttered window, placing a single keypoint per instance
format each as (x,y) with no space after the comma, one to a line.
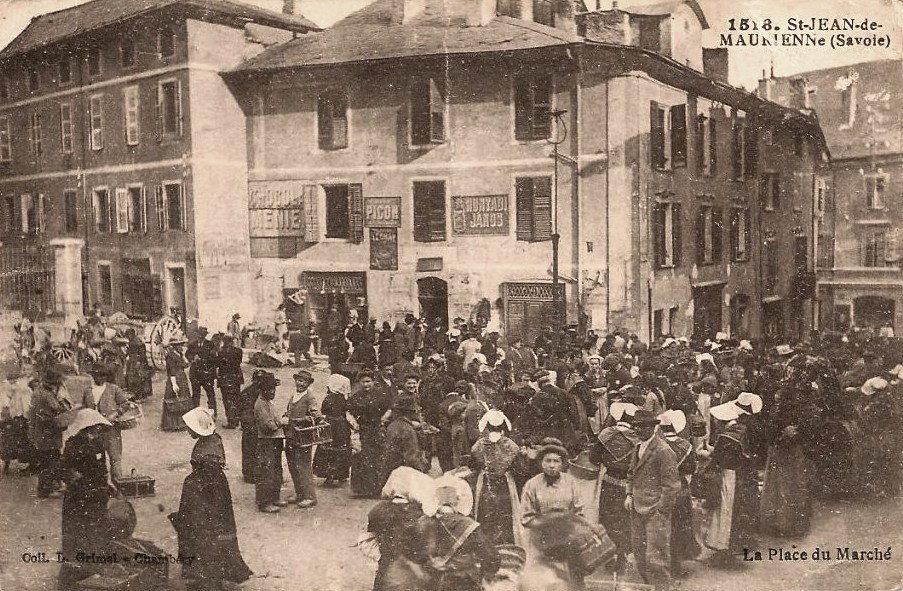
(770,191)
(428,101)
(740,234)
(750,151)
(667,239)
(709,234)
(6,151)
(534,208)
(356,213)
(345,212)
(132,129)
(169,109)
(96,121)
(175,206)
(137,218)
(332,120)
(123,211)
(103,211)
(70,210)
(657,136)
(429,211)
(34,134)
(160,206)
(66,128)
(532,107)
(678,116)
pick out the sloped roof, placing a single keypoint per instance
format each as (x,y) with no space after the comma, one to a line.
(63,24)
(375,32)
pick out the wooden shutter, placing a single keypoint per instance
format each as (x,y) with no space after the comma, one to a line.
(324,122)
(677,235)
(751,154)
(523,109)
(713,146)
(162,212)
(339,120)
(355,213)
(656,136)
(700,144)
(524,204)
(421,213)
(420,111)
(541,108)
(678,135)
(437,211)
(311,220)
(776,191)
(736,148)
(700,235)
(437,111)
(735,234)
(123,211)
(658,235)
(542,209)
(158,116)
(717,233)
(747,234)
(40,214)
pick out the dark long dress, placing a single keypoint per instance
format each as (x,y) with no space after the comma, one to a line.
(205,524)
(395,526)
(171,418)
(683,540)
(496,502)
(138,372)
(367,465)
(333,460)
(733,521)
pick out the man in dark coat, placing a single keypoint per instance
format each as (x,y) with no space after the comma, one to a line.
(48,402)
(230,379)
(202,372)
(402,444)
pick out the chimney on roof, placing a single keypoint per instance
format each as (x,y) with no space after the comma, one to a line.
(715,63)
(289,6)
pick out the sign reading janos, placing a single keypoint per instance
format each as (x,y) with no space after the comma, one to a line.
(277,208)
(483,214)
(382,212)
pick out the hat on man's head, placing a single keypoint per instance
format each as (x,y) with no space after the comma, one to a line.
(540,374)
(643,417)
(303,375)
(236,316)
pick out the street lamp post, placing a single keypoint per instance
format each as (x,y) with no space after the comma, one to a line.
(561,133)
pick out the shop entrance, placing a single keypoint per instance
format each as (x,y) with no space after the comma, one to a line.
(432,293)
(873,312)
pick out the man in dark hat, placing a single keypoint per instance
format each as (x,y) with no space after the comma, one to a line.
(233,329)
(302,410)
(653,485)
(229,378)
(402,445)
(106,398)
(47,403)
(261,380)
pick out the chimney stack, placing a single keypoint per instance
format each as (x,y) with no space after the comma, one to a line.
(288,6)
(715,63)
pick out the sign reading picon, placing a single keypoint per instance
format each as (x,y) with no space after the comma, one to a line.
(382,212)
(280,208)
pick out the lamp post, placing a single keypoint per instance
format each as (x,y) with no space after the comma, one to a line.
(561,134)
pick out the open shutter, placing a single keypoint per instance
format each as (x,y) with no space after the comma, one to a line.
(677,235)
(355,213)
(158,117)
(678,135)
(160,203)
(40,214)
(542,209)
(339,121)
(656,136)
(541,107)
(179,106)
(700,235)
(523,109)
(658,235)
(420,111)
(776,191)
(421,213)
(437,112)
(713,146)
(747,234)
(324,122)
(737,148)
(751,153)
(311,220)
(524,204)
(717,233)
(123,211)
(735,234)
(437,211)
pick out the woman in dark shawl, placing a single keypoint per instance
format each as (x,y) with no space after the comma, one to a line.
(368,406)
(138,372)
(496,502)
(333,460)
(177,387)
(205,521)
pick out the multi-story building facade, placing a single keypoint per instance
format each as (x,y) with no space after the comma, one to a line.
(415,171)
(119,138)
(860,281)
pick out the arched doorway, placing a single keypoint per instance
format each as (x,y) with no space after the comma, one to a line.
(432,293)
(873,312)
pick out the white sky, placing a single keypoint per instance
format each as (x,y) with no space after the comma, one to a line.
(746,64)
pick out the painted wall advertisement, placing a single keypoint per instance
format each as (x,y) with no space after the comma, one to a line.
(384,249)
(382,212)
(277,207)
(480,215)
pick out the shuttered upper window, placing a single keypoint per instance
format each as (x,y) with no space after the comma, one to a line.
(96,117)
(66,128)
(429,211)
(132,129)
(344,212)
(770,191)
(667,235)
(678,117)
(709,234)
(332,120)
(534,208)
(532,107)
(428,102)
(170,204)
(740,234)
(6,152)
(706,146)
(169,109)
(103,211)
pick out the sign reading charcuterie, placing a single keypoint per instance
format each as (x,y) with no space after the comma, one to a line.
(382,212)
(480,215)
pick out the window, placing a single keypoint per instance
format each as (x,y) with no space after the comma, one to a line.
(137,210)
(132,129)
(103,211)
(709,233)
(532,107)
(771,191)
(332,120)
(70,210)
(105,284)
(771,266)
(658,323)
(96,119)
(34,79)
(169,109)
(848,101)
(166,42)
(34,133)
(875,186)
(510,8)
(94,62)
(543,12)
(64,71)
(32,213)
(66,128)
(127,53)
(738,149)
(666,234)
(678,116)
(534,208)
(4,88)
(740,234)
(344,212)
(672,319)
(706,148)
(170,202)
(6,146)
(821,191)
(659,140)
(10,214)
(427,111)
(874,250)
(429,211)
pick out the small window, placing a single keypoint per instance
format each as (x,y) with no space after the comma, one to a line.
(705,145)
(127,53)
(94,62)
(137,210)
(170,203)
(96,120)
(64,70)
(428,103)
(66,128)
(169,109)
(874,250)
(740,234)
(336,211)
(709,233)
(332,120)
(10,214)
(667,235)
(34,133)
(34,80)
(6,152)
(659,137)
(875,186)
(103,211)
(166,42)
(70,207)
(533,200)
(105,284)
(771,191)
(543,12)
(32,213)
(429,211)
(532,107)
(132,129)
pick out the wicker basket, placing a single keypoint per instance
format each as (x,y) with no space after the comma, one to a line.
(308,434)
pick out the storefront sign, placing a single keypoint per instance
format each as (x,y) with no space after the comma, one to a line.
(317,282)
(480,215)
(382,212)
(384,249)
(277,208)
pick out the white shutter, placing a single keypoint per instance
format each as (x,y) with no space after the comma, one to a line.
(96,116)
(123,211)
(132,129)
(24,208)
(40,215)
(160,203)
(179,105)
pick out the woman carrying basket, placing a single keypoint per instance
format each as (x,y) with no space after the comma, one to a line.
(177,397)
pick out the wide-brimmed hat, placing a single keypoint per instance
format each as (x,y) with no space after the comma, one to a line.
(449,491)
(873,385)
(749,403)
(200,420)
(339,384)
(405,403)
(494,417)
(551,445)
(87,417)
(674,419)
(643,417)
(726,412)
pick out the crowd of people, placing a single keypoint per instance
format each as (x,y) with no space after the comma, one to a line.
(750,434)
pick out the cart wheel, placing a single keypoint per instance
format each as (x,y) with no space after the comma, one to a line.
(165,330)
(62,354)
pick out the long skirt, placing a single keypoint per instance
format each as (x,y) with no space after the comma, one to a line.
(367,465)
(683,539)
(786,507)
(138,377)
(249,451)
(614,517)
(733,520)
(497,509)
(175,405)
(269,471)
(333,460)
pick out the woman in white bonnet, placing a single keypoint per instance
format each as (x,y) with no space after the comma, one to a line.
(493,457)
(333,460)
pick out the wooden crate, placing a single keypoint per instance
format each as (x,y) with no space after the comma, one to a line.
(135,485)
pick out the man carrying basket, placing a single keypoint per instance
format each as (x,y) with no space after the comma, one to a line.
(301,412)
